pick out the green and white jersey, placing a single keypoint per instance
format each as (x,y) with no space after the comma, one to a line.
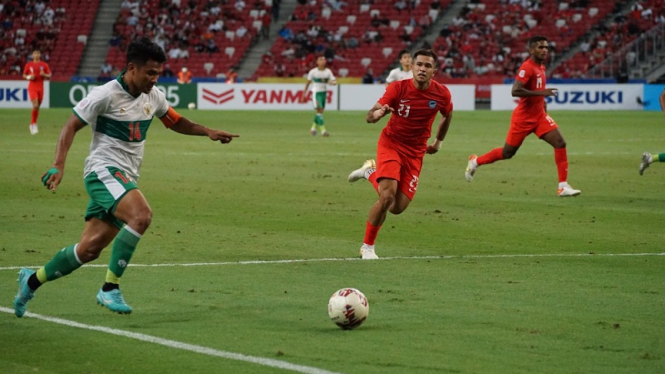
(397,74)
(119,123)
(320,79)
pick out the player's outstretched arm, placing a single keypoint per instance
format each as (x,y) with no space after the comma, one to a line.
(52,178)
(662,101)
(444,124)
(520,91)
(187,127)
(304,92)
(377,112)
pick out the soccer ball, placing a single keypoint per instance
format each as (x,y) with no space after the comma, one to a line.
(191,106)
(348,308)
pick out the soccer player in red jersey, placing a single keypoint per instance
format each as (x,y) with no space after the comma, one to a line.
(402,145)
(531,116)
(35,72)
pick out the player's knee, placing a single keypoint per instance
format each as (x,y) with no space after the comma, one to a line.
(386,199)
(89,250)
(394,209)
(141,220)
(560,143)
(508,153)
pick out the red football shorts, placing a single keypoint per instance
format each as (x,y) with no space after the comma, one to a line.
(519,130)
(36,93)
(390,163)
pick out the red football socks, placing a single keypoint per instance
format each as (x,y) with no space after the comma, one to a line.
(372,180)
(370,233)
(561,159)
(494,155)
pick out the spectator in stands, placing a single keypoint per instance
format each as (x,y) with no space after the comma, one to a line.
(286,33)
(400,5)
(336,5)
(211,47)
(241,31)
(352,43)
(368,78)
(240,5)
(184,76)
(167,72)
(280,69)
(47,16)
(174,53)
(265,25)
(39,8)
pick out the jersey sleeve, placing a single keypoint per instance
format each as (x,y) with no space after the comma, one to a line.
(447,102)
(391,76)
(170,118)
(162,105)
(310,75)
(389,96)
(524,74)
(93,105)
(25,69)
(47,69)
(332,76)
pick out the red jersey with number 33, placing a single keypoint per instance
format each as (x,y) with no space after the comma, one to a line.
(531,108)
(410,125)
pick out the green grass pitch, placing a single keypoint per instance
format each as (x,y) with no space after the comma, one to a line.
(526,283)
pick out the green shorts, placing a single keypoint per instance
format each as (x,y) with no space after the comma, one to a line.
(319,99)
(106,186)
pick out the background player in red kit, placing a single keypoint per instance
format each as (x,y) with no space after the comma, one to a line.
(402,145)
(35,72)
(531,116)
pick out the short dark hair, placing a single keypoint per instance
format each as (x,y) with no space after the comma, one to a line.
(535,39)
(142,49)
(404,52)
(428,53)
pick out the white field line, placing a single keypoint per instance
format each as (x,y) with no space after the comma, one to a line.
(268,262)
(179,345)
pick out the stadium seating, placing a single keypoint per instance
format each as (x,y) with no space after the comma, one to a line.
(489,37)
(59,29)
(620,32)
(380,29)
(191,29)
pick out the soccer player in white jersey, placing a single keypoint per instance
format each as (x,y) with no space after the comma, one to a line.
(403,71)
(320,77)
(119,114)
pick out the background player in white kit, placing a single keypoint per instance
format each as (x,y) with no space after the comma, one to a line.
(404,70)
(320,77)
(119,114)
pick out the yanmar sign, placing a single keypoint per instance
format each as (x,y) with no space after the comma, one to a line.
(222,96)
(578,97)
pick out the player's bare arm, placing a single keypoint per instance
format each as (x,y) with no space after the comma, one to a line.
(187,127)
(662,101)
(45,75)
(444,124)
(377,112)
(519,90)
(53,176)
(304,92)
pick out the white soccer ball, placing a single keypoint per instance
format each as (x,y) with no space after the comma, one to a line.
(348,308)
(191,106)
